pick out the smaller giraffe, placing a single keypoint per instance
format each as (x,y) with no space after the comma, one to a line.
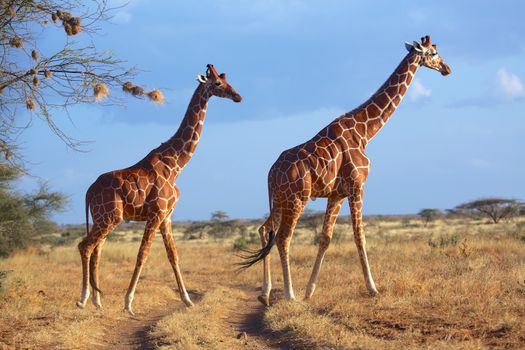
(333,165)
(147,192)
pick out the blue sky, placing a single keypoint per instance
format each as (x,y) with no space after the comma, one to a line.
(298,65)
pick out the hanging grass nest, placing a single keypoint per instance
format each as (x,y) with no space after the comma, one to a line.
(33,71)
(70,23)
(36,81)
(100,91)
(16,42)
(128,87)
(48,74)
(30,104)
(54,17)
(11,13)
(156,96)
(34,55)
(138,91)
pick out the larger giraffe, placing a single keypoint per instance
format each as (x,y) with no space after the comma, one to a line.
(333,165)
(147,192)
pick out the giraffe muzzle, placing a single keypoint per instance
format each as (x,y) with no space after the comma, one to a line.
(445,69)
(237,98)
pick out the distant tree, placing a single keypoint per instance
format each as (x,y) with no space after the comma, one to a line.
(429,214)
(495,208)
(24,216)
(312,220)
(55,76)
(219,215)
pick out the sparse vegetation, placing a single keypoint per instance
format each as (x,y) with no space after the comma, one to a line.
(430,214)
(464,291)
(24,216)
(495,208)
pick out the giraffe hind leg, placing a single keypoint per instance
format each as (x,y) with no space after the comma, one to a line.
(264,298)
(86,247)
(94,274)
(283,239)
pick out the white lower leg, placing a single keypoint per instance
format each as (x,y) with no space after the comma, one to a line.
(95,299)
(267,278)
(370,285)
(83,298)
(182,289)
(128,300)
(315,275)
(288,288)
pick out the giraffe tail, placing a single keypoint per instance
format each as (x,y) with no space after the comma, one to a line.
(252,257)
(92,281)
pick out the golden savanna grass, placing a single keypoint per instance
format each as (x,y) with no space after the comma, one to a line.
(456,284)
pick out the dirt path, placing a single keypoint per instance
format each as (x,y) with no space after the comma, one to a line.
(134,332)
(247,319)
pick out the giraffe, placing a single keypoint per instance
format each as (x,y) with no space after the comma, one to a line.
(147,192)
(333,165)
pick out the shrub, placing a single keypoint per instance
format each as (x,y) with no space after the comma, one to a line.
(24,216)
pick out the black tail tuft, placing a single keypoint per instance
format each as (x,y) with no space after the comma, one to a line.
(252,257)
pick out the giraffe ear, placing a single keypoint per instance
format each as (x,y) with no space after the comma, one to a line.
(418,47)
(408,46)
(202,79)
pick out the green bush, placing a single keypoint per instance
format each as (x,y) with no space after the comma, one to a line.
(24,216)
(444,241)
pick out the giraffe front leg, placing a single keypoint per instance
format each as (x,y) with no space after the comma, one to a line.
(149,233)
(332,211)
(356,203)
(171,251)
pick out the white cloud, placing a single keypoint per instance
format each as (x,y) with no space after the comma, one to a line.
(508,86)
(418,91)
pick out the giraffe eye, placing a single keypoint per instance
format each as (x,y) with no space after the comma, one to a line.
(218,83)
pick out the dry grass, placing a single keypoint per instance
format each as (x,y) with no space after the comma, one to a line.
(463,290)
(468,296)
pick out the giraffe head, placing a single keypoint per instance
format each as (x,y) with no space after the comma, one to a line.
(217,84)
(429,55)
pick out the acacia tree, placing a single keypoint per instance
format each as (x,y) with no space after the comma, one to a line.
(46,80)
(430,214)
(24,216)
(495,208)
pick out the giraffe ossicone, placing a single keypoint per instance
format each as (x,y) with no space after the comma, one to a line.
(147,192)
(333,165)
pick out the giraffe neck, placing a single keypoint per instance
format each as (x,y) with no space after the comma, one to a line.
(178,150)
(376,111)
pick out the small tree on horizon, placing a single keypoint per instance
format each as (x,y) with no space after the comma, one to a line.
(493,207)
(429,214)
(219,215)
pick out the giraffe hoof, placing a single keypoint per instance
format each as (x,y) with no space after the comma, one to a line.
(80,305)
(188,303)
(373,292)
(129,311)
(264,299)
